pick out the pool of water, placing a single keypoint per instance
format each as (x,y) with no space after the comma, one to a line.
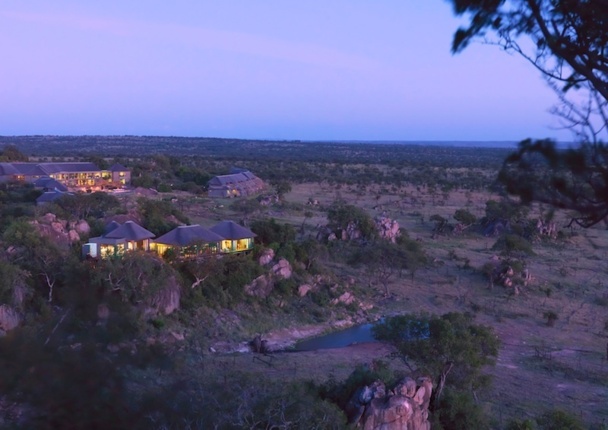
(339,339)
(358,334)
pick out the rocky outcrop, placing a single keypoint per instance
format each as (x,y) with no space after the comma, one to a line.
(266,256)
(404,407)
(60,231)
(388,229)
(260,287)
(509,274)
(282,270)
(346,298)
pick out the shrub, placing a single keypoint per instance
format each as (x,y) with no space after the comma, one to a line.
(341,392)
(551,317)
(512,244)
(460,411)
(559,420)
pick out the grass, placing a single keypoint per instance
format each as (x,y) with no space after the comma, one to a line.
(523,384)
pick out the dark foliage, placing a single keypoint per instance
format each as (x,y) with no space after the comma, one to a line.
(569,47)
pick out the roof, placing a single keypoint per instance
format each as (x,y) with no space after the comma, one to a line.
(50,184)
(117,167)
(188,235)
(45,169)
(130,231)
(8,169)
(30,169)
(232,231)
(229,179)
(69,167)
(49,196)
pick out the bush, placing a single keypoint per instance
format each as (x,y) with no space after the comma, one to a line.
(269,231)
(341,392)
(340,214)
(512,244)
(551,317)
(459,411)
(559,420)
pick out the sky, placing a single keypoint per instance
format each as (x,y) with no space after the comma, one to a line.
(261,69)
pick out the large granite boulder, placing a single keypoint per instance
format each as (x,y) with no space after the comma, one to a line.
(404,407)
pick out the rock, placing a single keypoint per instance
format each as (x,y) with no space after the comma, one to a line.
(260,287)
(9,318)
(387,228)
(73,236)
(177,336)
(346,298)
(266,257)
(404,407)
(282,269)
(304,289)
(48,218)
(58,227)
(82,227)
(259,345)
(406,387)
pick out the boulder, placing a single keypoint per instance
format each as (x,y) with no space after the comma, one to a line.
(82,227)
(404,407)
(73,236)
(266,256)
(48,218)
(9,318)
(260,287)
(304,289)
(58,227)
(387,228)
(345,298)
(282,269)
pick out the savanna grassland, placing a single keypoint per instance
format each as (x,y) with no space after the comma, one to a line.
(552,322)
(540,366)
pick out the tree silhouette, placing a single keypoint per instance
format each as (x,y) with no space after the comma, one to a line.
(570,49)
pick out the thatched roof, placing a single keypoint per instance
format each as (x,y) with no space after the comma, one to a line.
(130,231)
(188,235)
(232,231)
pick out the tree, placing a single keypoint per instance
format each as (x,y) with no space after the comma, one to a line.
(465,217)
(340,215)
(281,187)
(11,153)
(381,260)
(570,49)
(450,344)
(37,254)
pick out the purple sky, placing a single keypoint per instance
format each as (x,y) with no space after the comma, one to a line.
(311,70)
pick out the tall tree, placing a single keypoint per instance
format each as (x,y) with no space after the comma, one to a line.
(451,344)
(567,41)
